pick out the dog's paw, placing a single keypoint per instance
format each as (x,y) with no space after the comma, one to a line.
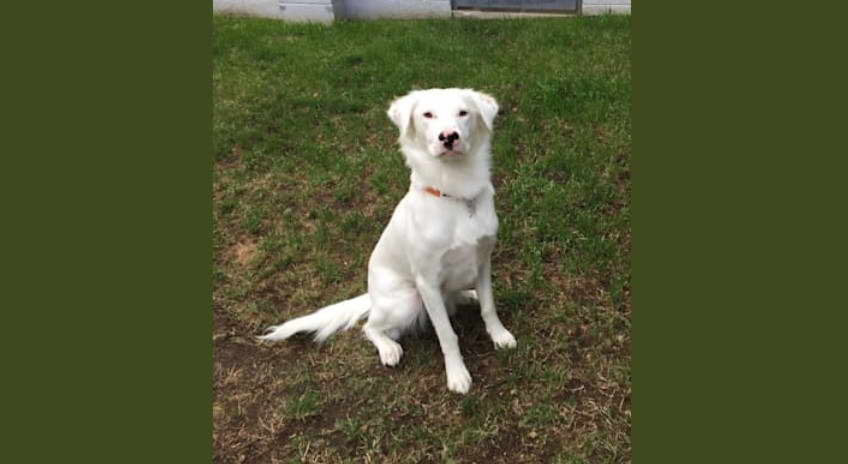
(459,379)
(390,353)
(503,339)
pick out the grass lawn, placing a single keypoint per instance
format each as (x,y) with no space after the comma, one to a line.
(306,175)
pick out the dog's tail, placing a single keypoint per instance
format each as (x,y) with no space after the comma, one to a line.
(324,322)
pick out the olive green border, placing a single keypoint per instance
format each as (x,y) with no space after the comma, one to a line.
(735,248)
(107,174)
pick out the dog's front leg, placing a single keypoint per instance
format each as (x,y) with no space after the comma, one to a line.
(459,380)
(496,330)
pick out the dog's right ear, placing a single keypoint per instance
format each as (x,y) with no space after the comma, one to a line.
(487,105)
(400,112)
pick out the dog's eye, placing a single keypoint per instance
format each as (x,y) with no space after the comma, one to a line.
(463,113)
(428,115)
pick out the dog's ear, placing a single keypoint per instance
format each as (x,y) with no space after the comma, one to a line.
(487,105)
(400,112)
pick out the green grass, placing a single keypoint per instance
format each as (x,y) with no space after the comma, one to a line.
(306,175)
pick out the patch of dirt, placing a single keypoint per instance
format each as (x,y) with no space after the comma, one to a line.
(512,445)
(230,347)
(243,252)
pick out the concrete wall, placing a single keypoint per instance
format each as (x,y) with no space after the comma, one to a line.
(318,11)
(264,8)
(325,11)
(594,7)
(371,9)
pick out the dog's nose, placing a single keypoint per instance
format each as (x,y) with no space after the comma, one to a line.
(448,137)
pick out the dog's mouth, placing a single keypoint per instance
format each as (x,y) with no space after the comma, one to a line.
(451,153)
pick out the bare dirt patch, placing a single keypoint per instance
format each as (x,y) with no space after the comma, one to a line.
(244,252)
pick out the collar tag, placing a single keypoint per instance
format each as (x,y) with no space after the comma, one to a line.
(470,205)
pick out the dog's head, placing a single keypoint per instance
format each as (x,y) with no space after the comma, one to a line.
(445,123)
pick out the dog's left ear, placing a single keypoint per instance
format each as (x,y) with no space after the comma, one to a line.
(487,105)
(400,112)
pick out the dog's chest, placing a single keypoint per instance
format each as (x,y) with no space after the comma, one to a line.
(461,261)
(460,266)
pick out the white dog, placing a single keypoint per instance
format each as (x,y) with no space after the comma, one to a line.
(438,244)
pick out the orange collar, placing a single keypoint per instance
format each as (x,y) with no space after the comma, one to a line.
(433,191)
(438,193)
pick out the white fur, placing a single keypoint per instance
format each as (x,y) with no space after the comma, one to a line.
(434,250)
